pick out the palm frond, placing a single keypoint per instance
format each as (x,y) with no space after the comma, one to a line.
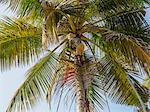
(96,97)
(132,49)
(25,7)
(39,77)
(132,23)
(114,80)
(115,71)
(20,42)
(107,7)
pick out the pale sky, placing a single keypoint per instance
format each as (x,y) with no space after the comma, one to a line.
(11,80)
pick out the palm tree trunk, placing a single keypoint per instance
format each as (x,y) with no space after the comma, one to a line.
(80,92)
(82,101)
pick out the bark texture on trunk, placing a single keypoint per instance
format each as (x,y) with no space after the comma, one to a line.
(82,82)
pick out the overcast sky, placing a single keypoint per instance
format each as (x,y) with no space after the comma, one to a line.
(11,80)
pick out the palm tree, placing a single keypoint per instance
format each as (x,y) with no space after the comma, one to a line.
(93,49)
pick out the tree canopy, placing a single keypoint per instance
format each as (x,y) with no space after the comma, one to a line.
(93,49)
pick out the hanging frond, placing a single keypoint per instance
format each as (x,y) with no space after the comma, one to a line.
(113,78)
(25,7)
(131,23)
(20,43)
(107,7)
(95,96)
(118,68)
(130,47)
(39,77)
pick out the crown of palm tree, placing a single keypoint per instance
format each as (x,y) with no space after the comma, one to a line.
(93,49)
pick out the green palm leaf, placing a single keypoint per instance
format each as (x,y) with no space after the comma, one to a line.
(117,68)
(130,47)
(20,43)
(114,80)
(39,77)
(112,6)
(131,23)
(25,7)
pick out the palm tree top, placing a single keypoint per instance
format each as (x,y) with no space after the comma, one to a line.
(93,49)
